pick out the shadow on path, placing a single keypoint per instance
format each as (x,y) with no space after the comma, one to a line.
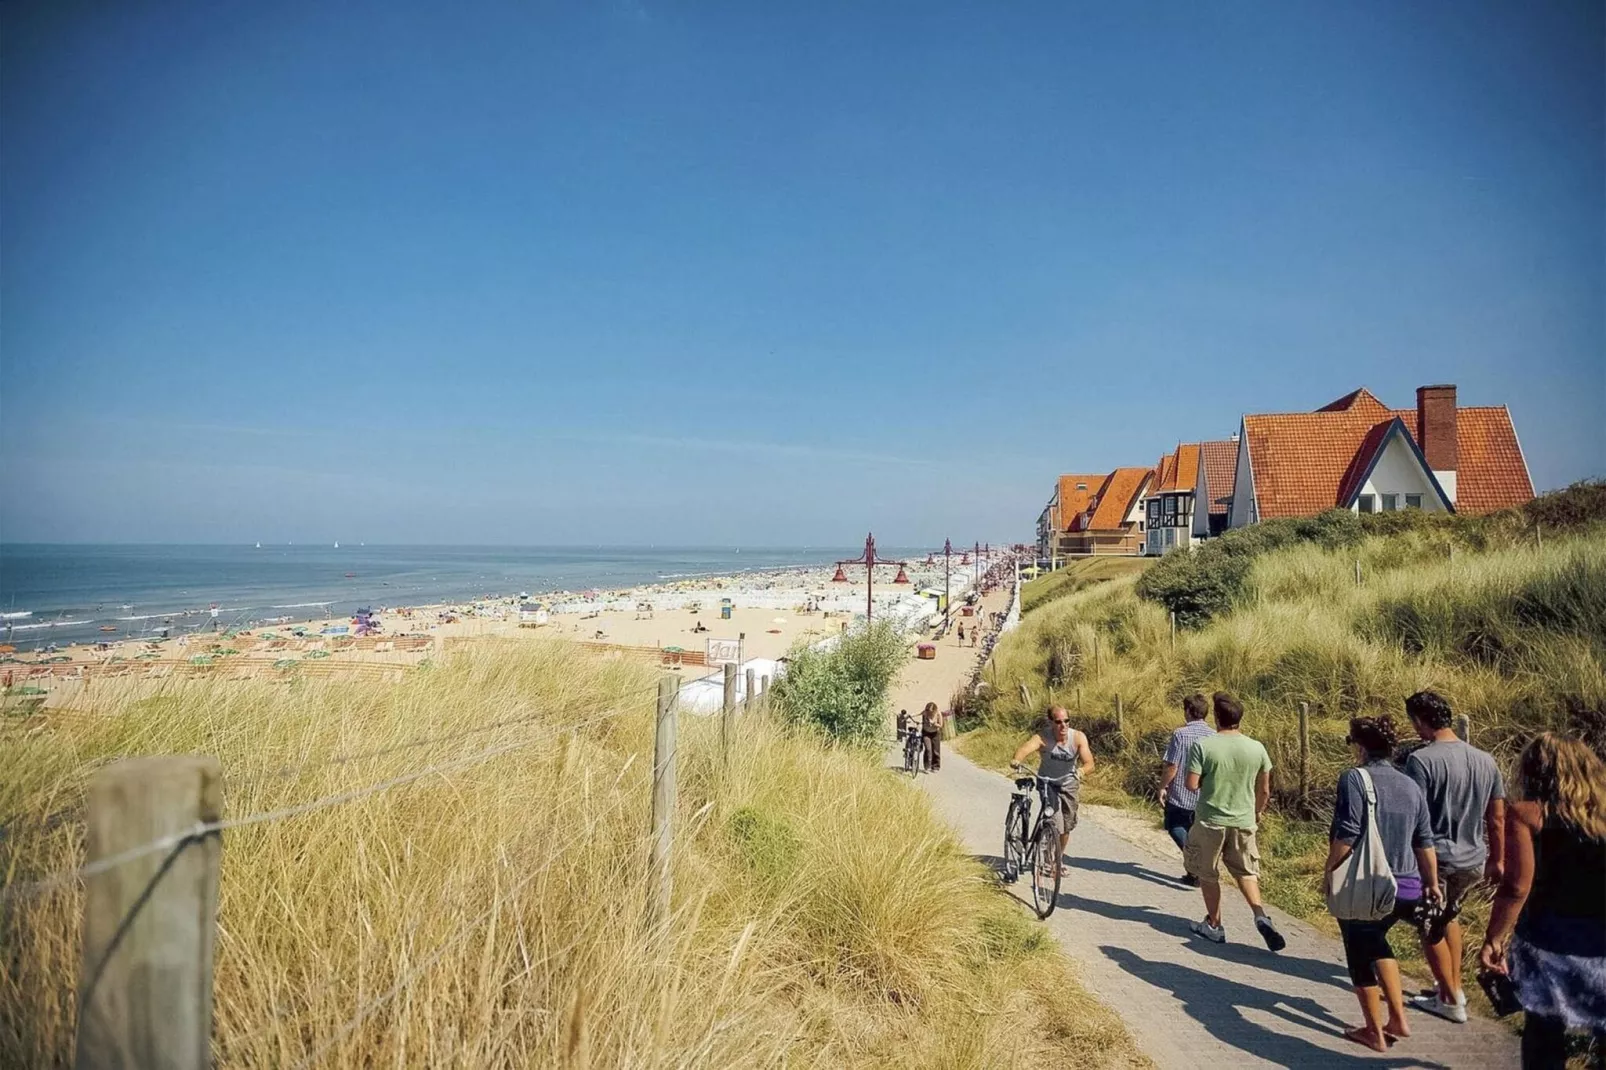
(1130,869)
(1218,1004)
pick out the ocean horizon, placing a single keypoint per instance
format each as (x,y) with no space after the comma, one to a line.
(68,592)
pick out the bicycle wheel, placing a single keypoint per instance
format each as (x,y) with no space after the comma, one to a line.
(1014,842)
(909,765)
(1045,852)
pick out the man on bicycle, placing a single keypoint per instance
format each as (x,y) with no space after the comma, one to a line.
(1064,758)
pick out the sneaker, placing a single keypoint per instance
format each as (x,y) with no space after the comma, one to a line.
(1450,1012)
(1216,934)
(1269,933)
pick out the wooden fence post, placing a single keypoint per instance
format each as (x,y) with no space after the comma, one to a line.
(1173,631)
(1120,722)
(1539,538)
(1304,755)
(663,801)
(1095,656)
(727,713)
(1357,572)
(1463,727)
(764,690)
(150,924)
(752,687)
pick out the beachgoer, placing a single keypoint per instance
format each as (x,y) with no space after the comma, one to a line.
(931,729)
(1064,758)
(1178,801)
(1406,829)
(1232,775)
(1466,798)
(1547,927)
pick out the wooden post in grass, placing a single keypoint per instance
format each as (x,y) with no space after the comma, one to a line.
(752,687)
(1120,722)
(1463,727)
(1539,537)
(663,800)
(150,923)
(1095,656)
(1173,631)
(727,713)
(764,690)
(1304,754)
(1357,572)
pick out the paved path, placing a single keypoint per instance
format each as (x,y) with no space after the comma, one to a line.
(1124,919)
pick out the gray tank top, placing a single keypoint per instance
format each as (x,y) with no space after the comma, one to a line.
(1058,761)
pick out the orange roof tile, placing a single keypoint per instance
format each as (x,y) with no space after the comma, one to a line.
(1116,498)
(1185,470)
(1303,463)
(1073,501)
(1221,470)
(1362,400)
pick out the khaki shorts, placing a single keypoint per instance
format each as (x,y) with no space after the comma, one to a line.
(1070,799)
(1210,845)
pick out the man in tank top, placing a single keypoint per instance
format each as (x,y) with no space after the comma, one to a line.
(1064,758)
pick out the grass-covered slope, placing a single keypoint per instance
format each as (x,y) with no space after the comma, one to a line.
(1078,575)
(1507,621)
(821,917)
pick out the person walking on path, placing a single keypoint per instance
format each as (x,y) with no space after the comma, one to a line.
(931,729)
(1179,802)
(1547,928)
(1232,775)
(1064,758)
(1467,803)
(1401,818)
(961,633)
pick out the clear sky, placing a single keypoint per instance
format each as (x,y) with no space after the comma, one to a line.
(761,273)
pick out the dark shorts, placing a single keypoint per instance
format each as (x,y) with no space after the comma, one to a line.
(1456,884)
(1366,943)
(1178,818)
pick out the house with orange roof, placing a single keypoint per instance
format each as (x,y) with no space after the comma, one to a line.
(1356,453)
(1188,499)
(1112,518)
(1069,500)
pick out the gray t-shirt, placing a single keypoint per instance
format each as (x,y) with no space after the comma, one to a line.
(1458,780)
(1059,761)
(1402,815)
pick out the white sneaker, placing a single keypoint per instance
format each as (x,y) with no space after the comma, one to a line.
(1216,934)
(1450,1012)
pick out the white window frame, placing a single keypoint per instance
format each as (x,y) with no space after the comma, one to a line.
(1417,504)
(1391,503)
(1366,503)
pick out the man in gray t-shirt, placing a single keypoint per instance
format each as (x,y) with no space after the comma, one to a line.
(1466,803)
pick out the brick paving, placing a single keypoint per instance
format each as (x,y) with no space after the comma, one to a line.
(1124,918)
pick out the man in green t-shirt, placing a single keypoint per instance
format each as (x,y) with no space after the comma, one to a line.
(1232,774)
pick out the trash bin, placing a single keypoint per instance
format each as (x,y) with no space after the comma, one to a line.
(724,612)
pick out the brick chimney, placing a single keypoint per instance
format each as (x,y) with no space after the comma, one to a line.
(1436,432)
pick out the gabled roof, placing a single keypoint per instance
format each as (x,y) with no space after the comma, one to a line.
(1185,469)
(1361,400)
(1304,461)
(1117,497)
(1221,471)
(1073,502)
(1162,472)
(1371,452)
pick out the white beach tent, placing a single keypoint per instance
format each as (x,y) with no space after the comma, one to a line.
(706,695)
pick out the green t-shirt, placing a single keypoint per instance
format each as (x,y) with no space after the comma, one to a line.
(1227,764)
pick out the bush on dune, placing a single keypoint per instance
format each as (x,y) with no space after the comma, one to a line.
(842,689)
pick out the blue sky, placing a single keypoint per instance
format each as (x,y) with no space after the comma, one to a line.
(767,274)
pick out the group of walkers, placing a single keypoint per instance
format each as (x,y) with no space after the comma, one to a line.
(1445,828)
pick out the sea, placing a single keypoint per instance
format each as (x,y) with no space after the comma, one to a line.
(66,593)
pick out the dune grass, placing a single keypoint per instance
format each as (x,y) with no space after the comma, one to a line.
(1512,632)
(1077,575)
(821,916)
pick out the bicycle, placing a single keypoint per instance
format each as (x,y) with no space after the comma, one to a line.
(914,751)
(1034,845)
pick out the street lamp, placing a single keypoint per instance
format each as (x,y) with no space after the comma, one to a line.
(947,590)
(869,561)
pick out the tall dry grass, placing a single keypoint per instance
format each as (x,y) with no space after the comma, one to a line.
(495,915)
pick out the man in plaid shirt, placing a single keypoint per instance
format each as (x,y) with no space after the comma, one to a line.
(1174,795)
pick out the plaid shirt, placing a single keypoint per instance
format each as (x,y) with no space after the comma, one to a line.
(1176,753)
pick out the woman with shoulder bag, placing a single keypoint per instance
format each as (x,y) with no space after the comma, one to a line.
(1379,811)
(1547,928)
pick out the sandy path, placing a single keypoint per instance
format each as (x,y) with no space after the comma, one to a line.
(1124,919)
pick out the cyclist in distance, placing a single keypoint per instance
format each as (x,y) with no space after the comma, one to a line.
(1064,758)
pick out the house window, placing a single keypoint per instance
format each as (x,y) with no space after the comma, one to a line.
(1170,506)
(1413,501)
(1391,502)
(1154,512)
(1367,503)
(1170,536)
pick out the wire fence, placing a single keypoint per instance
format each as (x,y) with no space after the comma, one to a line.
(175,840)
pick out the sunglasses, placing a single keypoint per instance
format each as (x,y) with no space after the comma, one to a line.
(1061,720)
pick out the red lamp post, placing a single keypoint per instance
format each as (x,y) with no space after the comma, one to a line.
(869,561)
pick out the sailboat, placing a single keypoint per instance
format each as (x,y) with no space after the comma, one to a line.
(337,545)
(259,546)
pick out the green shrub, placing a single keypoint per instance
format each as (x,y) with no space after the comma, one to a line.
(843,688)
